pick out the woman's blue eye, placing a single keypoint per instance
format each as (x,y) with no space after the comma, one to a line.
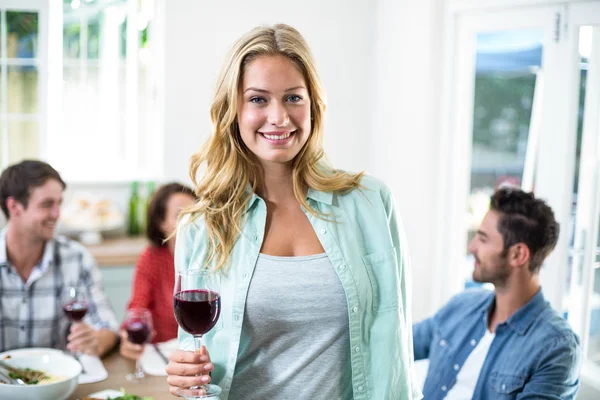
(257,100)
(294,98)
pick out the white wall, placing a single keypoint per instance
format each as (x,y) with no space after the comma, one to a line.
(404,129)
(380,66)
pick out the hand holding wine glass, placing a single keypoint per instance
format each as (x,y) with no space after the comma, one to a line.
(197,306)
(138,325)
(75,308)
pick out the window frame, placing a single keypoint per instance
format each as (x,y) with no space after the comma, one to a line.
(40,62)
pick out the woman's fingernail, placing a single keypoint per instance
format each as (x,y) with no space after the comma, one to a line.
(208,367)
(205,379)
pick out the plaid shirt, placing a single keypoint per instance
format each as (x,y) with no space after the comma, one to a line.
(31,312)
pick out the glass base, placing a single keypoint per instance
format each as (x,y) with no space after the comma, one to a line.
(201,392)
(135,377)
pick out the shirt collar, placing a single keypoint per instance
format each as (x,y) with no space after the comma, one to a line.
(3,257)
(321,197)
(46,257)
(524,317)
(253,197)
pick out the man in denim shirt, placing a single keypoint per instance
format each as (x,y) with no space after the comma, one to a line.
(509,343)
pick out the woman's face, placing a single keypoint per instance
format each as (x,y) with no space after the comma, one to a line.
(175,203)
(274,110)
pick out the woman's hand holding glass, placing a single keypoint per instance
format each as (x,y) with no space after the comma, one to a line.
(188,369)
(138,326)
(130,350)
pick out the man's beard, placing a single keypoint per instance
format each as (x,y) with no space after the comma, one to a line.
(497,273)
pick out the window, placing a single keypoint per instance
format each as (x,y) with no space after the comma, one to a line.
(583,294)
(506,70)
(500,112)
(531,121)
(110,124)
(21,66)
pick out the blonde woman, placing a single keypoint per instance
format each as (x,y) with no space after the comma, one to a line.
(315,280)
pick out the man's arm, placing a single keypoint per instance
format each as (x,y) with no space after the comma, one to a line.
(557,376)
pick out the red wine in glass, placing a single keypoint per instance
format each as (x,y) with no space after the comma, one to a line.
(197,307)
(197,311)
(75,310)
(138,332)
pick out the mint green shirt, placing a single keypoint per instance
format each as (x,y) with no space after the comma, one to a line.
(367,248)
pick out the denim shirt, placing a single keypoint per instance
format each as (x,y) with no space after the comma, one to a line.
(366,247)
(534,354)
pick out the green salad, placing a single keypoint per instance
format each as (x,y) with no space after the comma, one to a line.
(126,396)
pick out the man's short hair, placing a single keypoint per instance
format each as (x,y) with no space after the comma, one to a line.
(18,180)
(525,219)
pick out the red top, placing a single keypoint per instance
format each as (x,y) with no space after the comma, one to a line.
(153,284)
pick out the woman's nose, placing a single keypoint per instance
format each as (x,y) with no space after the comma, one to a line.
(278,114)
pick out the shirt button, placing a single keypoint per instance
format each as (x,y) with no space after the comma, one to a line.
(456,367)
(245,276)
(342,267)
(504,386)
(323,231)
(444,388)
(355,309)
(473,342)
(357,349)
(361,388)
(443,343)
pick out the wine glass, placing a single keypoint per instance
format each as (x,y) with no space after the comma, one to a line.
(197,306)
(75,307)
(138,324)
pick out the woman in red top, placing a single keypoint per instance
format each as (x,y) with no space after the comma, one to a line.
(154,276)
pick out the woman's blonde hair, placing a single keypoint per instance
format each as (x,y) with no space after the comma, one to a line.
(231,168)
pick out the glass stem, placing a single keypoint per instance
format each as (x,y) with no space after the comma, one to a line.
(139,372)
(198,349)
(198,343)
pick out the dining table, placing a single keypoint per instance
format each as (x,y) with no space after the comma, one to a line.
(117,368)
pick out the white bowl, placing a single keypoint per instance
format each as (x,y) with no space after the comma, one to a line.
(51,361)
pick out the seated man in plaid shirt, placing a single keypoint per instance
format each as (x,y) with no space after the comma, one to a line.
(37,268)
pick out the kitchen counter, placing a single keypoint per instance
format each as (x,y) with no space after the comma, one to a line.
(118,252)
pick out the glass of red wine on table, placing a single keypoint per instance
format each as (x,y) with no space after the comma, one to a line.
(197,306)
(138,324)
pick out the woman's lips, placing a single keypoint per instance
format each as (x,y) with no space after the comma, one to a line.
(277,137)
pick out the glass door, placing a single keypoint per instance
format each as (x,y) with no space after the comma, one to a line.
(500,111)
(583,296)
